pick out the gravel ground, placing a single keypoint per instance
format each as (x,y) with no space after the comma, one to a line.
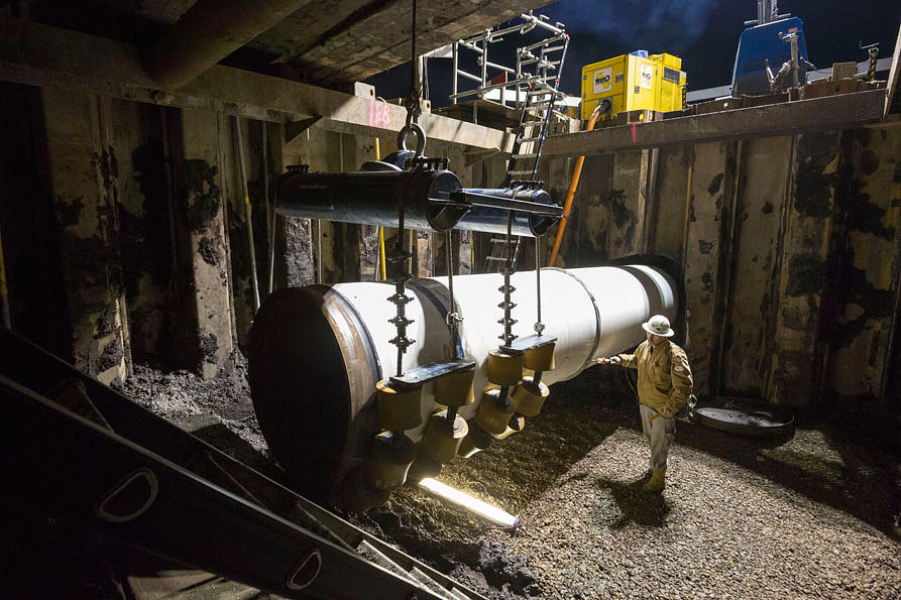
(811,517)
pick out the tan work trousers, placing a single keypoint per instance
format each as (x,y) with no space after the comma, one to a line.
(659,433)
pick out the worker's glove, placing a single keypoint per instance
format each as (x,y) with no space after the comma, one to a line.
(667,412)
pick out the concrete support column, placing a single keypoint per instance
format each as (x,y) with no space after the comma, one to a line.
(83,173)
(203,246)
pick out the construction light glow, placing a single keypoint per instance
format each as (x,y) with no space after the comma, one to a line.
(483,509)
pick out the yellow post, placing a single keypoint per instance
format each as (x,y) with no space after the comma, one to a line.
(378,156)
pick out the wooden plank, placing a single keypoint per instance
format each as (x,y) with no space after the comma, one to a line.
(592,214)
(837,112)
(703,246)
(747,343)
(378,40)
(84,181)
(795,363)
(35,54)
(199,171)
(628,204)
(671,200)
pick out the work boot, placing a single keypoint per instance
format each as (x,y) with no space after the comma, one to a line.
(657,481)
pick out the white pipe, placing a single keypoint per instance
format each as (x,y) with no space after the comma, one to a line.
(592,312)
(316,353)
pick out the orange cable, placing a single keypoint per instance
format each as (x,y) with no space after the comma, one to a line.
(567,206)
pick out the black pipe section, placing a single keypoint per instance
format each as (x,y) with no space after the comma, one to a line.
(494,220)
(432,200)
(373,197)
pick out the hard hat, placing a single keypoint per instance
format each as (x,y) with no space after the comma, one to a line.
(658,325)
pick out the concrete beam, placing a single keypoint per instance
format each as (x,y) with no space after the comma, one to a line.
(830,113)
(51,57)
(208,32)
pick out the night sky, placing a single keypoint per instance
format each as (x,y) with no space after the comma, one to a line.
(704,33)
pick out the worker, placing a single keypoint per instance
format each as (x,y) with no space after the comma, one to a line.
(664,386)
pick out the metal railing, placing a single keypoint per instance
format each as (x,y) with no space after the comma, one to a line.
(531,72)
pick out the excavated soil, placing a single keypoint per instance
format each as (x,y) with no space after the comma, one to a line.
(814,516)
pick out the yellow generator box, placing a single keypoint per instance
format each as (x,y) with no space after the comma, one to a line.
(633,82)
(671,91)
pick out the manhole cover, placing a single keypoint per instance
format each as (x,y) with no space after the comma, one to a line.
(745,416)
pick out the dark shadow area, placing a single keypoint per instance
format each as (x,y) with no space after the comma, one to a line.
(636,505)
(42,558)
(863,486)
(222,438)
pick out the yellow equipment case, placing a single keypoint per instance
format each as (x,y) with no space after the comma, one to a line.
(633,82)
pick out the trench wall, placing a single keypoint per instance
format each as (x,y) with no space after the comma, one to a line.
(789,248)
(125,233)
(125,228)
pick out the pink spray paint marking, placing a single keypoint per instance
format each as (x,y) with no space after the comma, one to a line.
(379,113)
(634,136)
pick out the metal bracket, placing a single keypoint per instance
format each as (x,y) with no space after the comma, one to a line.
(421,375)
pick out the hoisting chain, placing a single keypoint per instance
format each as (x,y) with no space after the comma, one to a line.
(413,102)
(399,257)
(508,305)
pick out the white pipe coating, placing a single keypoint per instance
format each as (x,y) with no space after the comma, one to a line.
(592,312)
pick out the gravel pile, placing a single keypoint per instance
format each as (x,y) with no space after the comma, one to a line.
(811,517)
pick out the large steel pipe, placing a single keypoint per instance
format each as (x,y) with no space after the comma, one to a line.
(316,353)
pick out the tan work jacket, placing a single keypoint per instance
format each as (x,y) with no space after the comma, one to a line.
(664,377)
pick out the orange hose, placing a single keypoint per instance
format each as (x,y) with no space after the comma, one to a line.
(567,206)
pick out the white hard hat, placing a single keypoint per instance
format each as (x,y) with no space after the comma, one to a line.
(658,325)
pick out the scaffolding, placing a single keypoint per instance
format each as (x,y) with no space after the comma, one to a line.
(537,65)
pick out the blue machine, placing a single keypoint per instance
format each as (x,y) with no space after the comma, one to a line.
(762,43)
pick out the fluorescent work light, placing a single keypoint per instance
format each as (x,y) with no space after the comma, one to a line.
(483,509)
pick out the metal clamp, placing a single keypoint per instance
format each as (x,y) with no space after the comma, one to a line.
(409,128)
